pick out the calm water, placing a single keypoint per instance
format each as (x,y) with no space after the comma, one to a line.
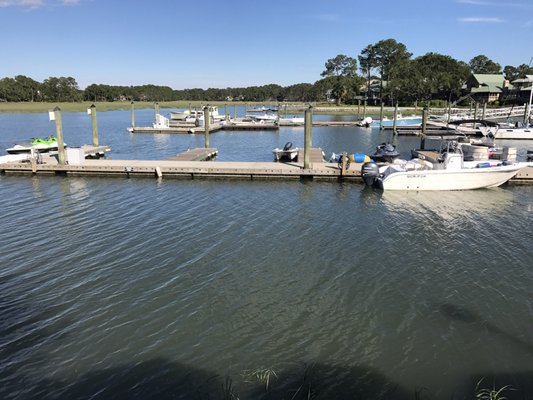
(138,288)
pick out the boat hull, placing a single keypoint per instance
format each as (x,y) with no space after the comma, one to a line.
(289,155)
(514,134)
(18,149)
(475,178)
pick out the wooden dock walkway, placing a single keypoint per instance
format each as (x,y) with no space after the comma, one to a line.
(197,154)
(316,155)
(203,169)
(175,129)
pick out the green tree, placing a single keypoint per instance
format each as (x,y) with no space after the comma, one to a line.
(344,70)
(367,63)
(511,73)
(390,58)
(481,64)
(431,76)
(61,89)
(28,88)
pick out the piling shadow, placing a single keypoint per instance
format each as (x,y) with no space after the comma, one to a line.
(515,385)
(466,316)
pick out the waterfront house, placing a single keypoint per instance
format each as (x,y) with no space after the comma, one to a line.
(485,88)
(520,91)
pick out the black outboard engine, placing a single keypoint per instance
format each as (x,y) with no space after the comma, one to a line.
(370,172)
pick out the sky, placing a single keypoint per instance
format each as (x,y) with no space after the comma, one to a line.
(241,43)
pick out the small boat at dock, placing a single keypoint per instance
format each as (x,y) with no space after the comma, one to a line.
(439,171)
(385,152)
(39,145)
(287,153)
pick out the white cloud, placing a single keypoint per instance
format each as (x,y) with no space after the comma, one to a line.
(486,20)
(484,3)
(21,3)
(36,3)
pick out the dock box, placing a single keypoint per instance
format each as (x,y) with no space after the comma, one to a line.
(75,155)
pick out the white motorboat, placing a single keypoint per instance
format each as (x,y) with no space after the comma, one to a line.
(286,153)
(439,171)
(197,114)
(412,120)
(265,117)
(294,120)
(179,115)
(516,131)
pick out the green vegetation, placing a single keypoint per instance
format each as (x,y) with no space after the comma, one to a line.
(389,74)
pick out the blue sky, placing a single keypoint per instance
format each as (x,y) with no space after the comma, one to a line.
(236,43)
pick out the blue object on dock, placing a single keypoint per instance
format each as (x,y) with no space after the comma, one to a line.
(359,157)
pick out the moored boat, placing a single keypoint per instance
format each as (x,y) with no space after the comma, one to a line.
(385,152)
(514,132)
(445,171)
(286,153)
(40,145)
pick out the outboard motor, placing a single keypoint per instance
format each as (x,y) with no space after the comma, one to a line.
(370,172)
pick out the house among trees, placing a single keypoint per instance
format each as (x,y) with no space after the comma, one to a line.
(521,88)
(485,88)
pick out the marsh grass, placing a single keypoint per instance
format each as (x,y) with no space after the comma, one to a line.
(261,375)
(35,107)
(491,393)
(28,107)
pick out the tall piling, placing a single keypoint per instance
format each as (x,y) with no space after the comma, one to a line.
(395,119)
(55,115)
(424,124)
(206,125)
(132,115)
(381,115)
(92,111)
(308,118)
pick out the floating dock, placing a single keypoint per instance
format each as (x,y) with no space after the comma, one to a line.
(202,170)
(198,154)
(174,129)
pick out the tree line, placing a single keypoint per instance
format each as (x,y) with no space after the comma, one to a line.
(383,71)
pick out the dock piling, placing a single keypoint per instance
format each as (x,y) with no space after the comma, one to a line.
(308,137)
(55,115)
(381,115)
(92,111)
(395,118)
(424,124)
(132,115)
(206,125)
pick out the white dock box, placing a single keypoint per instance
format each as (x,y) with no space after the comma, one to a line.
(75,155)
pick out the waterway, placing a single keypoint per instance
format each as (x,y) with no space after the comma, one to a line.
(143,288)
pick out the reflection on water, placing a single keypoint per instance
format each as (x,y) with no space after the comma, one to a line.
(449,205)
